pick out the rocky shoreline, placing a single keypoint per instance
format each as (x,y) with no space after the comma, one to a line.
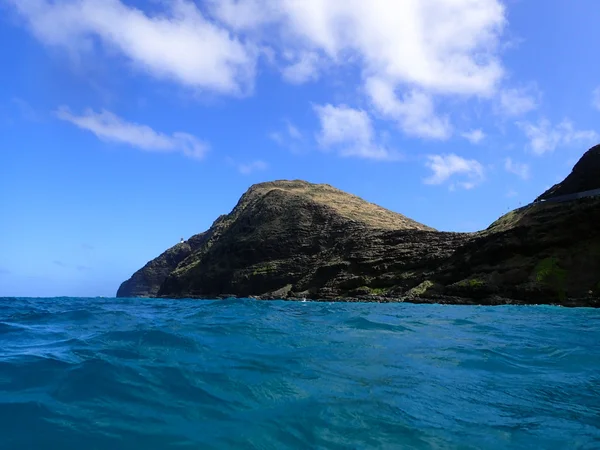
(586,302)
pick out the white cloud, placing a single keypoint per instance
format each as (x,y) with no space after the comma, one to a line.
(439,45)
(519,169)
(178,44)
(252,167)
(109,127)
(596,98)
(474,136)
(407,52)
(447,166)
(519,101)
(545,137)
(304,69)
(350,131)
(512,193)
(415,113)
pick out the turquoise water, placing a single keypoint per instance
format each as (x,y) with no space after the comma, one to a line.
(159,374)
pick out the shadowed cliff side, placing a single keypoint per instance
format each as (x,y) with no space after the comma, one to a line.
(584,177)
(147,281)
(543,253)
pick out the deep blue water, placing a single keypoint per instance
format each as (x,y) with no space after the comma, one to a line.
(171,374)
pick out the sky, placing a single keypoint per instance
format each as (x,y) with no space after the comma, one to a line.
(126,125)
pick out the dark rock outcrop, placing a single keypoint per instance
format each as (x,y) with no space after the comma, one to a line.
(293,239)
(584,177)
(542,253)
(146,282)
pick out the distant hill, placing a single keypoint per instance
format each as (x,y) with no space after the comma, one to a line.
(294,239)
(280,234)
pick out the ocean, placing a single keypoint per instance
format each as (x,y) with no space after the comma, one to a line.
(94,373)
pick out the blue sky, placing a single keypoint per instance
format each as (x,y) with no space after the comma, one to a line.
(126,125)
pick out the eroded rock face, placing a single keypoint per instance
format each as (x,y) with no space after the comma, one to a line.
(584,177)
(293,239)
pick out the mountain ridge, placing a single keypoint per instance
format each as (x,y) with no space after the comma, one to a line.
(294,239)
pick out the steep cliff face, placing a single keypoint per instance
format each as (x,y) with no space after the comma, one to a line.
(584,177)
(293,239)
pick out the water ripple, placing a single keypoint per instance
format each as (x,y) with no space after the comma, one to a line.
(164,374)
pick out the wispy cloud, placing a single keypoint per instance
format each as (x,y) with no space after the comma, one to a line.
(178,44)
(78,267)
(350,132)
(304,68)
(109,127)
(545,137)
(254,166)
(447,166)
(26,110)
(519,169)
(415,112)
(289,136)
(474,136)
(596,98)
(293,132)
(514,102)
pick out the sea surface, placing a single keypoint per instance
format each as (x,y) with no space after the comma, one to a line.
(79,373)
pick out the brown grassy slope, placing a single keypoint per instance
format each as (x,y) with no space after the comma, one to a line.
(344,204)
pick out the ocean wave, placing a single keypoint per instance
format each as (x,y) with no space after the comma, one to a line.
(160,374)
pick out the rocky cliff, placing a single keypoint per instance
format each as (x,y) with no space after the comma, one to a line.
(147,281)
(293,239)
(584,177)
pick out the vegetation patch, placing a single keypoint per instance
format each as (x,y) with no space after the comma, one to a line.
(421,288)
(407,275)
(549,273)
(366,290)
(472,283)
(377,291)
(264,269)
(506,222)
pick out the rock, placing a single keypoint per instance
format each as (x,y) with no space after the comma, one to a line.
(297,240)
(146,282)
(544,253)
(293,236)
(584,177)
